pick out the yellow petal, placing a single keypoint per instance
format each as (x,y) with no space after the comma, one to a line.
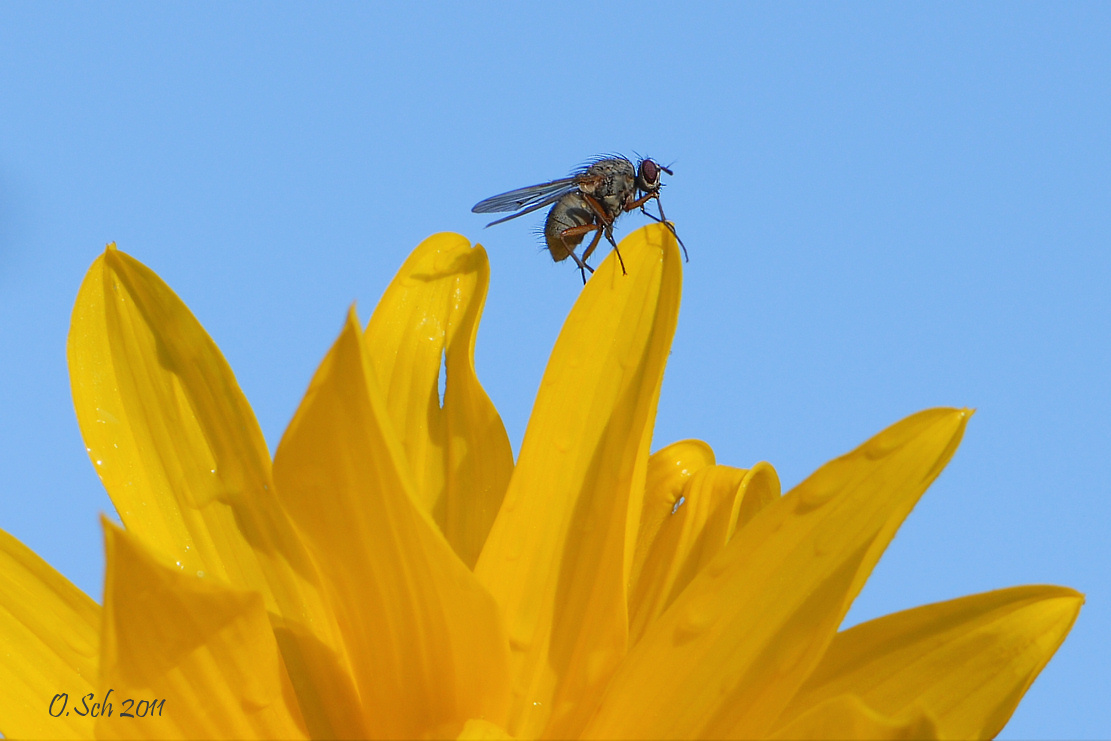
(185,656)
(481,730)
(424,637)
(49,638)
(733,649)
(165,424)
(691,510)
(686,541)
(458,453)
(556,556)
(968,661)
(714,502)
(669,469)
(177,447)
(847,717)
(759,488)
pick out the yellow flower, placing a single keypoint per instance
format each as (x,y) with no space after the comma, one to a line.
(394,574)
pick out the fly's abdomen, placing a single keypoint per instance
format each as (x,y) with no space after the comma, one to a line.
(570,211)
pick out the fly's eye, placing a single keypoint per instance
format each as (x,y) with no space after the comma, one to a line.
(649,175)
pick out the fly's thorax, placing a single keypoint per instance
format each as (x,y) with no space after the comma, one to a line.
(569,211)
(612,182)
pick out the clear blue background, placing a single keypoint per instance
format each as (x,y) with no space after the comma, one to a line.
(888,207)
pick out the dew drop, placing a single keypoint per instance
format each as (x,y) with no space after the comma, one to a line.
(678,504)
(814,496)
(562,443)
(696,618)
(880,446)
(826,483)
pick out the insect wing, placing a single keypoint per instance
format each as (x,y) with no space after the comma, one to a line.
(530,209)
(531,197)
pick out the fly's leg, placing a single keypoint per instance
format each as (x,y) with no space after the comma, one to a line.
(607,227)
(670,228)
(583,267)
(604,225)
(599,211)
(594,242)
(608,231)
(639,203)
(642,201)
(576,231)
(599,230)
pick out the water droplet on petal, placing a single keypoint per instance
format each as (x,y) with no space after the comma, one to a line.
(696,618)
(813,497)
(562,443)
(881,445)
(826,483)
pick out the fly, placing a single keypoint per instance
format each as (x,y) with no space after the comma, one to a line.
(588,201)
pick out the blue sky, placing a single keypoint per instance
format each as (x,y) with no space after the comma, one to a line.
(888,207)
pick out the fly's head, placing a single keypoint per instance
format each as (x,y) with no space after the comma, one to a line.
(648,176)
